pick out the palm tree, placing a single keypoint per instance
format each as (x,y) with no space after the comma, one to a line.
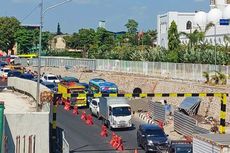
(197,37)
(226,41)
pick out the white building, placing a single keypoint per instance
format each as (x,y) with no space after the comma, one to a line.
(219,9)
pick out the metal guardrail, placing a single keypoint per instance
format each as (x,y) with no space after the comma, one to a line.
(184,124)
(157,111)
(182,71)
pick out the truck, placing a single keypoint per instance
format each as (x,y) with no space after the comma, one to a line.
(68,88)
(115,112)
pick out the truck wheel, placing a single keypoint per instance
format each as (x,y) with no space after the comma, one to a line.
(98,116)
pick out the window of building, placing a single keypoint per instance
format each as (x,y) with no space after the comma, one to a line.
(189,25)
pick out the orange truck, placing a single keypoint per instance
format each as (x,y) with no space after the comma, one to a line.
(68,88)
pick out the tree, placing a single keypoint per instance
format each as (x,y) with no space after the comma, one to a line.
(86,39)
(131,35)
(149,37)
(59,30)
(173,37)
(132,26)
(24,39)
(8,28)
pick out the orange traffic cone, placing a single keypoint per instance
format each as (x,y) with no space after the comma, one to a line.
(83,115)
(67,106)
(75,110)
(115,142)
(120,146)
(89,120)
(112,140)
(104,131)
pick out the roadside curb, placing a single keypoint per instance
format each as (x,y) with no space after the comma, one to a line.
(145,118)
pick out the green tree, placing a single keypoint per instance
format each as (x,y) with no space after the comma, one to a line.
(86,39)
(131,35)
(149,37)
(132,26)
(24,39)
(173,37)
(8,28)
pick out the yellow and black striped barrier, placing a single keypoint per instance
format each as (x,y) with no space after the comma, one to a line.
(222,96)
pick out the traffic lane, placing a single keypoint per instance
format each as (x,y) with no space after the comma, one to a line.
(84,138)
(130,136)
(80,136)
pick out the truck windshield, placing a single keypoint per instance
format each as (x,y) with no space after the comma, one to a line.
(121,111)
(76,91)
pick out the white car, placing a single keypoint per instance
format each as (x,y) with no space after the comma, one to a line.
(94,106)
(4,72)
(50,78)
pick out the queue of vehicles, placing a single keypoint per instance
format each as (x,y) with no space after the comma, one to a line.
(114,112)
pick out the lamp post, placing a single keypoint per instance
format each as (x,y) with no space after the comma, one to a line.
(40,46)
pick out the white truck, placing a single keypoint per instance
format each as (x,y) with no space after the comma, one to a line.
(115,112)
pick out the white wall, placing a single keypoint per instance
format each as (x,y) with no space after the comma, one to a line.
(26,124)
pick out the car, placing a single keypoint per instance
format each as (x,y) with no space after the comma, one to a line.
(35,79)
(3,64)
(152,138)
(51,85)
(14,73)
(27,76)
(180,146)
(4,72)
(94,107)
(50,78)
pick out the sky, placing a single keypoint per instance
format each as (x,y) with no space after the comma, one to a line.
(78,14)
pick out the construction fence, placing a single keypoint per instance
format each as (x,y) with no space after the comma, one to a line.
(182,71)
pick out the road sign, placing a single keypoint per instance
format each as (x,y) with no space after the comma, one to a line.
(224,21)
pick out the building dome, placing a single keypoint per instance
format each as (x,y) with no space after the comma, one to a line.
(214,15)
(200,18)
(226,14)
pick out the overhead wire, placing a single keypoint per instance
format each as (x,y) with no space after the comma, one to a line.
(30,13)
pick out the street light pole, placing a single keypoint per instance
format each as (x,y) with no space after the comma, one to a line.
(39,56)
(215,44)
(40,47)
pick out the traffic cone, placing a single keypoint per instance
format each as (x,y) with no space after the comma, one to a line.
(115,143)
(120,146)
(83,115)
(161,124)
(89,120)
(104,131)
(135,151)
(75,110)
(67,106)
(112,140)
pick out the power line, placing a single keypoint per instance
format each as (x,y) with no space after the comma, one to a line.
(31,12)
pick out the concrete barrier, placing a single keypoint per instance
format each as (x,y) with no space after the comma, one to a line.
(27,132)
(27,86)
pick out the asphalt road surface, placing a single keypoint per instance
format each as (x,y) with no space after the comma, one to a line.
(86,139)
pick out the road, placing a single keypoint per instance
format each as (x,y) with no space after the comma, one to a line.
(87,139)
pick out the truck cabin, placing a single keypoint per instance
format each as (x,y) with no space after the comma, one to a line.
(120,110)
